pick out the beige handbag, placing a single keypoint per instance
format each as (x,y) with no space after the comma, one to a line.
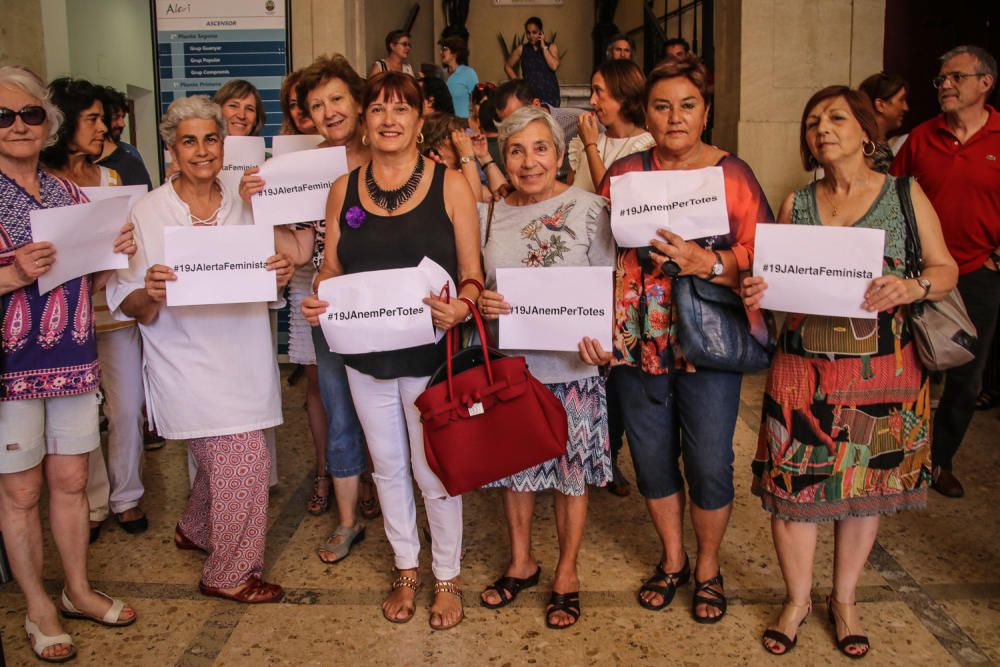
(942,331)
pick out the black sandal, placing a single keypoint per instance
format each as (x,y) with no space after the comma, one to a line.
(568,603)
(861,642)
(671,582)
(714,598)
(507,589)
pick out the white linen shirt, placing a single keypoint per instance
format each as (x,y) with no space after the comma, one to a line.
(208,370)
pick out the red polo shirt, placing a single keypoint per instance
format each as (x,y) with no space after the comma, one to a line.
(962,182)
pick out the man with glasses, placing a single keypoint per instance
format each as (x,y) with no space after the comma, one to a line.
(956,157)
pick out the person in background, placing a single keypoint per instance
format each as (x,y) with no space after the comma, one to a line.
(118,484)
(676,48)
(461,78)
(397,46)
(662,395)
(212,375)
(954,156)
(538,61)
(845,424)
(887,93)
(437,97)
(617,93)
(119,155)
(448,141)
(242,107)
(374,224)
(48,378)
(483,118)
(516,93)
(577,232)
(620,47)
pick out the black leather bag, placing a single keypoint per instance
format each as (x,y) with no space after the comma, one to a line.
(713,330)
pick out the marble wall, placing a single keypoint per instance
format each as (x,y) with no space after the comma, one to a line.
(21,35)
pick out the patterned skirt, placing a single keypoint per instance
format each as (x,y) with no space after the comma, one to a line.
(300,342)
(845,426)
(587,461)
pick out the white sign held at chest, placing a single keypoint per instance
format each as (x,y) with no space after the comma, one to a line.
(219,264)
(690,203)
(240,154)
(378,311)
(298,185)
(554,308)
(817,270)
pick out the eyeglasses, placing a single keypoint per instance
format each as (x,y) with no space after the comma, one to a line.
(31,115)
(954,77)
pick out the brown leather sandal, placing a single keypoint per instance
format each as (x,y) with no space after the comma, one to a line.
(404,581)
(256,591)
(452,588)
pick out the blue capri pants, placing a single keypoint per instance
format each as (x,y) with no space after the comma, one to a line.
(345,441)
(689,414)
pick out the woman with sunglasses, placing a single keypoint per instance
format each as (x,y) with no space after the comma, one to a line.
(397,46)
(48,378)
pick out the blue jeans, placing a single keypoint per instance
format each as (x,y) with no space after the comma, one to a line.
(693,414)
(345,441)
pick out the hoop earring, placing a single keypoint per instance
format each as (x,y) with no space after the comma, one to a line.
(364,139)
(420,137)
(864,148)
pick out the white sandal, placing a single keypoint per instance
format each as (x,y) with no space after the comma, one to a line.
(43,641)
(112,617)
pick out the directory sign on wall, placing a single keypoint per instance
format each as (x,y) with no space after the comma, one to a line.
(202,44)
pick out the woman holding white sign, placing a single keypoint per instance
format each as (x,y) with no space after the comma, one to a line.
(845,432)
(48,378)
(546,223)
(330,92)
(200,385)
(661,395)
(389,214)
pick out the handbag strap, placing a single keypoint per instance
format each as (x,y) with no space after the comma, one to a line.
(452,344)
(914,252)
(489,224)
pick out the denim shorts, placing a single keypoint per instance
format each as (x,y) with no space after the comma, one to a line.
(689,414)
(345,441)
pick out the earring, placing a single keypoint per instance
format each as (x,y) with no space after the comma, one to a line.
(420,137)
(364,139)
(865,150)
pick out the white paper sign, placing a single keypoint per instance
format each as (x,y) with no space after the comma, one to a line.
(83,236)
(239,154)
(219,264)
(818,270)
(690,203)
(292,143)
(298,185)
(554,308)
(377,311)
(133,192)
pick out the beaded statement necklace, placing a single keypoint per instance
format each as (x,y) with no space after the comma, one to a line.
(390,200)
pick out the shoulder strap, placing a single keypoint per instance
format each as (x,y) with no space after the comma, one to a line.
(489,222)
(647,160)
(914,252)
(383,66)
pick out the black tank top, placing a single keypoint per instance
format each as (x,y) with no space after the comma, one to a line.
(398,242)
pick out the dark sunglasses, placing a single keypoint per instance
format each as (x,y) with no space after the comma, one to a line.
(31,115)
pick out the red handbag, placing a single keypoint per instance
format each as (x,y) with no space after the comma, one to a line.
(485,417)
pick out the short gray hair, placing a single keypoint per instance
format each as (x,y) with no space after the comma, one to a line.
(522,118)
(186,108)
(987,63)
(15,76)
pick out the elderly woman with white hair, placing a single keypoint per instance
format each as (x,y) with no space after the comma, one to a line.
(546,223)
(211,374)
(48,378)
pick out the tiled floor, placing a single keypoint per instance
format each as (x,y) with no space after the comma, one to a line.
(930,596)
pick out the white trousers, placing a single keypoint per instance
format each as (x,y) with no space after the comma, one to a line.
(391,423)
(119,483)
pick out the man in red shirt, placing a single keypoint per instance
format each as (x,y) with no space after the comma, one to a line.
(956,158)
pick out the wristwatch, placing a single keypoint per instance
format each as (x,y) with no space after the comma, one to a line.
(926,284)
(718,267)
(466,159)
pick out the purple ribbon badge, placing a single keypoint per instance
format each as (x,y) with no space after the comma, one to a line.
(355,217)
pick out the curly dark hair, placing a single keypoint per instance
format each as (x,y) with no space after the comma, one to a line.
(322,70)
(72,96)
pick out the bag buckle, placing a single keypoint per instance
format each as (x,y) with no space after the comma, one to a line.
(476,409)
